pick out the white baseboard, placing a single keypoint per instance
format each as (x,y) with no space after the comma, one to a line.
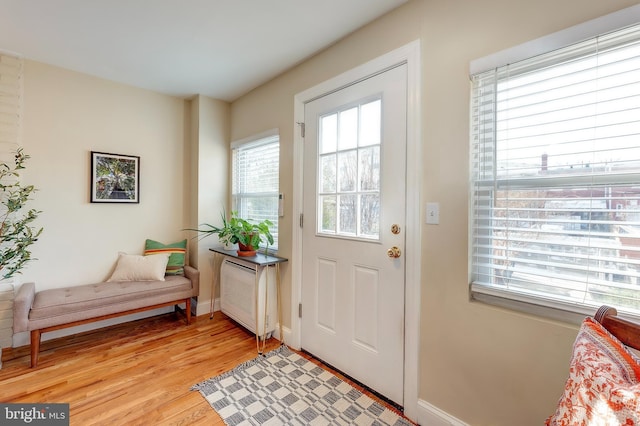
(430,415)
(287,334)
(203,307)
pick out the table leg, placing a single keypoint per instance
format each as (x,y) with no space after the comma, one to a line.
(215,276)
(279,303)
(257,298)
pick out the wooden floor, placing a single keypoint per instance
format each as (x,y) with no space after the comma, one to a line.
(136,373)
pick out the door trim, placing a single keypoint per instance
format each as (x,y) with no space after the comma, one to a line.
(409,54)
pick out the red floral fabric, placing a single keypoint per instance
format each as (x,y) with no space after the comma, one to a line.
(603,387)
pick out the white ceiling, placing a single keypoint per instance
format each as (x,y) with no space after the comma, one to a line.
(217,48)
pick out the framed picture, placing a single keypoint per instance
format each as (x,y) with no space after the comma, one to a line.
(115,178)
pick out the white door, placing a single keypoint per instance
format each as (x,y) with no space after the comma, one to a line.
(353,273)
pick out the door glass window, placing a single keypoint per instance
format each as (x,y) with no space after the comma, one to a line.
(348,195)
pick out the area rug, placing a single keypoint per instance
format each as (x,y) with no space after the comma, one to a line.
(283,388)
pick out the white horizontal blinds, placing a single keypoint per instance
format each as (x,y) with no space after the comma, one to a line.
(10,104)
(556,175)
(256,185)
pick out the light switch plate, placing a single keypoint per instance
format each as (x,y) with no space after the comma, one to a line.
(433,213)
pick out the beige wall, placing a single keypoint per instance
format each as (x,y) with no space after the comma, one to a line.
(67,115)
(483,365)
(210,142)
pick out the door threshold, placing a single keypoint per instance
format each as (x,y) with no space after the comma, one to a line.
(392,404)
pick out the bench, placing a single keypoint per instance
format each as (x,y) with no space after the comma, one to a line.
(55,309)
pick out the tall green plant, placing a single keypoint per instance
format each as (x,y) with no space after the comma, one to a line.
(17,233)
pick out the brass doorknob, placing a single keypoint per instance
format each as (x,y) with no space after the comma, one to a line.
(394,252)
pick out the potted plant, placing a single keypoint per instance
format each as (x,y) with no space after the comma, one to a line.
(17,233)
(246,233)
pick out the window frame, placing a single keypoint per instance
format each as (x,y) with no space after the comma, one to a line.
(526,303)
(257,141)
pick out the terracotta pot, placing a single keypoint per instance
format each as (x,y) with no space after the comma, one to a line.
(245,251)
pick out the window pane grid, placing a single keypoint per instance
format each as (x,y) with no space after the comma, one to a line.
(349,172)
(555,162)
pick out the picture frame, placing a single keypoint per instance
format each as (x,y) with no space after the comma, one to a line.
(115,178)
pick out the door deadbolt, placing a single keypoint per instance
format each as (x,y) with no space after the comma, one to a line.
(395,229)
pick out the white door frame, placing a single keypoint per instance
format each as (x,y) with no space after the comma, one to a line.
(409,54)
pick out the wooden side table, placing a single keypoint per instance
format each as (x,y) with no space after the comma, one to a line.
(258,261)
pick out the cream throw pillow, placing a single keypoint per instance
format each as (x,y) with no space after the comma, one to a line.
(140,268)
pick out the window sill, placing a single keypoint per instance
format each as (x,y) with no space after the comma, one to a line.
(553,310)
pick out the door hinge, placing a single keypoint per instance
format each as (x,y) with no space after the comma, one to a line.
(299,310)
(302,128)
(301,219)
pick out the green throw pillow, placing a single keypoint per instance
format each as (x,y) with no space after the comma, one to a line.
(176,252)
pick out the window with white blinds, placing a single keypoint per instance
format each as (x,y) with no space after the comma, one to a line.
(255,180)
(555,167)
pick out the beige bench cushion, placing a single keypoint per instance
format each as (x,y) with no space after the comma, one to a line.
(92,297)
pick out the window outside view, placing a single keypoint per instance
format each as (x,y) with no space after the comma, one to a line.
(349,172)
(557,175)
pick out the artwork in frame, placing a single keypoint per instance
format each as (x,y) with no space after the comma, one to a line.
(115,178)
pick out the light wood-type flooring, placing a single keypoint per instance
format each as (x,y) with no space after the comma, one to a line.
(135,373)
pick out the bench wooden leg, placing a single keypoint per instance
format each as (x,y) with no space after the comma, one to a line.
(187,308)
(186,311)
(35,347)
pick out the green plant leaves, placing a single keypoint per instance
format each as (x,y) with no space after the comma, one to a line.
(238,230)
(16,231)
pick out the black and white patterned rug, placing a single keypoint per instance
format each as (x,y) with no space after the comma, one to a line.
(283,388)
